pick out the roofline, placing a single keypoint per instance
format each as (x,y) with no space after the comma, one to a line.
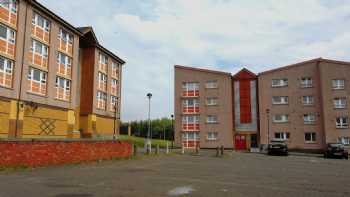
(110,53)
(90,30)
(201,70)
(42,8)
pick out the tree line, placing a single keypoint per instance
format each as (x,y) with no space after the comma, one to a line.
(160,128)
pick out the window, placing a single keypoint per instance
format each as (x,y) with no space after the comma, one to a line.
(211,84)
(212,136)
(279,82)
(66,61)
(191,86)
(39,48)
(190,136)
(309,118)
(114,69)
(101,100)
(102,77)
(212,101)
(308,100)
(339,103)
(306,82)
(282,136)
(63,88)
(280,100)
(41,22)
(65,36)
(114,66)
(37,81)
(191,102)
(212,119)
(342,122)
(114,103)
(9,5)
(338,84)
(114,82)
(7,34)
(190,119)
(344,140)
(280,118)
(6,65)
(103,59)
(310,137)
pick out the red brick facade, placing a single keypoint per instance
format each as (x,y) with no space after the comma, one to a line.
(45,153)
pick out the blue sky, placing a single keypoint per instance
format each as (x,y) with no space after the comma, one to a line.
(154,35)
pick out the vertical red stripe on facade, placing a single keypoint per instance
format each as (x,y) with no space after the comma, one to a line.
(245,101)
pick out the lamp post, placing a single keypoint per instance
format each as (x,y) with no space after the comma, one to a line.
(115,120)
(268,126)
(148,141)
(172,129)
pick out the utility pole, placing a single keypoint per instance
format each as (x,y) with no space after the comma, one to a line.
(268,126)
(148,144)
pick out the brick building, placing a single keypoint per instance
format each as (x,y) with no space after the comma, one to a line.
(40,72)
(305,104)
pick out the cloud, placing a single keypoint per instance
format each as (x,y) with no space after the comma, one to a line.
(154,35)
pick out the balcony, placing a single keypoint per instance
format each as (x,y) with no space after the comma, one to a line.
(190,93)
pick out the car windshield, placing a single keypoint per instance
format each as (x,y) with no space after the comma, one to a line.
(336,145)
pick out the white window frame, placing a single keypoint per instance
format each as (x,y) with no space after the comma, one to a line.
(339,103)
(190,120)
(190,86)
(212,84)
(67,61)
(212,135)
(212,119)
(344,140)
(114,102)
(65,36)
(283,100)
(313,137)
(308,100)
(212,101)
(309,118)
(46,23)
(10,5)
(66,85)
(10,35)
(103,59)
(7,66)
(283,118)
(44,48)
(188,103)
(342,122)
(282,135)
(101,96)
(306,82)
(102,77)
(193,137)
(338,84)
(43,75)
(279,82)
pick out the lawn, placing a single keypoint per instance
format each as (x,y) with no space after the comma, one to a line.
(140,142)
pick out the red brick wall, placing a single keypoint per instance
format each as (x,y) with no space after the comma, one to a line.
(44,153)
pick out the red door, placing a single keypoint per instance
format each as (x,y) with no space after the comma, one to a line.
(240,142)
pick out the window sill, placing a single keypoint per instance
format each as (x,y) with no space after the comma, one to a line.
(37,94)
(309,123)
(284,86)
(280,122)
(339,108)
(280,103)
(306,87)
(211,140)
(311,142)
(5,87)
(343,128)
(39,67)
(65,53)
(40,39)
(308,105)
(63,100)
(216,105)
(212,123)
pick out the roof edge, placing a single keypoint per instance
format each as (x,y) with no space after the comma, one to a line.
(201,70)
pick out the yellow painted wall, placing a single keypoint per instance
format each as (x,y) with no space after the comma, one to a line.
(34,118)
(4,118)
(105,126)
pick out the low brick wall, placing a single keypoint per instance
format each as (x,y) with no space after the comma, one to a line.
(45,153)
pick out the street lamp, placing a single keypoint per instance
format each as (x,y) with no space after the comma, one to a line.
(148,141)
(116,118)
(172,128)
(268,126)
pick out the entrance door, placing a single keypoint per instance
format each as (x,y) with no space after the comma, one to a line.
(240,142)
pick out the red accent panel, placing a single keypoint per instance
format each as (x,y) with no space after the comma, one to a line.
(245,101)
(240,142)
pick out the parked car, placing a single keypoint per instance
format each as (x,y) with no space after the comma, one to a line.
(277,147)
(336,150)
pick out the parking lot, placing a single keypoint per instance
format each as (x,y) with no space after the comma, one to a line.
(236,174)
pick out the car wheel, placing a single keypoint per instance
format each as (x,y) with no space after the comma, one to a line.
(325,155)
(346,157)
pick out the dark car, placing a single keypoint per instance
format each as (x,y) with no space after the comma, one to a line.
(336,150)
(277,147)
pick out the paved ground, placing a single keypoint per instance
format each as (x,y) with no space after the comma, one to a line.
(237,174)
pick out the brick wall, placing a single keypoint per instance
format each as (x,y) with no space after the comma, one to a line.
(44,153)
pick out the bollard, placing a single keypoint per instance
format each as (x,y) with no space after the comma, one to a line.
(148,150)
(182,150)
(217,151)
(157,149)
(167,148)
(197,150)
(222,150)
(135,150)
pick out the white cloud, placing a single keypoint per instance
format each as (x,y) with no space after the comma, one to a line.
(217,34)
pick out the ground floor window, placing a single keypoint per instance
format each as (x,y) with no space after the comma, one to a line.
(212,135)
(282,135)
(344,140)
(190,139)
(310,137)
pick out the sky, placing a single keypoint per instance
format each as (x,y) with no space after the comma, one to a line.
(154,35)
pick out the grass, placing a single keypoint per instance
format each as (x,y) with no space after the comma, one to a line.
(140,142)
